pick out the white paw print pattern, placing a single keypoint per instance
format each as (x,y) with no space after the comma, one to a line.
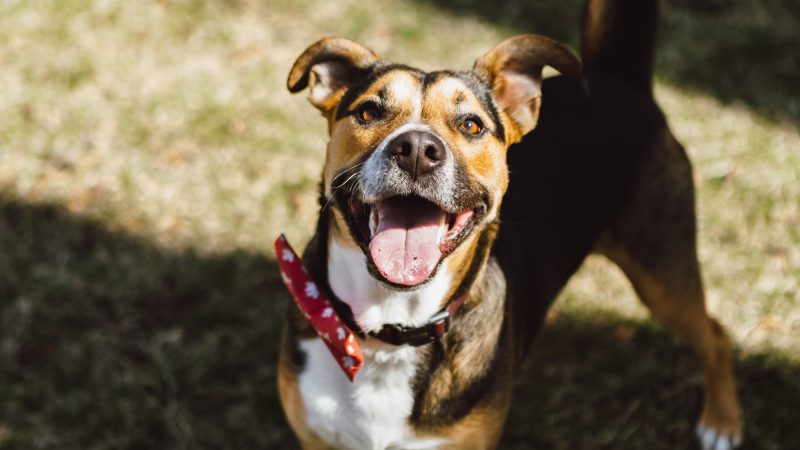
(311,290)
(347,362)
(318,310)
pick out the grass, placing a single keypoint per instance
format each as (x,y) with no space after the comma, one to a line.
(149,154)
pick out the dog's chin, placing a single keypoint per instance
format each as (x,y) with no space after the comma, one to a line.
(406,238)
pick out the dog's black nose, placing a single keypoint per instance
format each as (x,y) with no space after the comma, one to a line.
(418,152)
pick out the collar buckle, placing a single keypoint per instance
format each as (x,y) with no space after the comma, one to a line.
(441,322)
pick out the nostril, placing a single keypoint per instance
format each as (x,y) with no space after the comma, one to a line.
(433,153)
(405,149)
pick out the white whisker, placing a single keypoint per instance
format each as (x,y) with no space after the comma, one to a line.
(336,188)
(345,171)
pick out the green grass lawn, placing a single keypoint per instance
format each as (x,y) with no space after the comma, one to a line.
(149,154)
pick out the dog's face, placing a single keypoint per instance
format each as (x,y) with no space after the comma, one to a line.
(416,164)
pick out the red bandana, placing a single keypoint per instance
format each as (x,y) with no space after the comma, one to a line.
(318,310)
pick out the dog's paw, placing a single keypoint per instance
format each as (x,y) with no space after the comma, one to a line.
(716,439)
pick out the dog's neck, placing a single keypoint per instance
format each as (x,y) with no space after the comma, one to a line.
(373,303)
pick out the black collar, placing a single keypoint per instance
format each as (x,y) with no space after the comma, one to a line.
(398,334)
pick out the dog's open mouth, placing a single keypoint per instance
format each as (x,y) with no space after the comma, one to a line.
(406,237)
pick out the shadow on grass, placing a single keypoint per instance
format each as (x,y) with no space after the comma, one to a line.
(109,341)
(739,51)
(596,380)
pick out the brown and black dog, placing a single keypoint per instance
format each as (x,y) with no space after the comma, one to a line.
(411,226)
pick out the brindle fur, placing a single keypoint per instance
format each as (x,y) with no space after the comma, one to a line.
(602,173)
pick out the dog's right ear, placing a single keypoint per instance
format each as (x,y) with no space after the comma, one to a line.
(328,67)
(513,69)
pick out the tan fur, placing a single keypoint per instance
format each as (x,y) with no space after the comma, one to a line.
(481,429)
(459,260)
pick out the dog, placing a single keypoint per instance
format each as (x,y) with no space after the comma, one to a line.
(440,267)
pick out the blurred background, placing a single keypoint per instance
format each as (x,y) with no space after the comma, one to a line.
(150,153)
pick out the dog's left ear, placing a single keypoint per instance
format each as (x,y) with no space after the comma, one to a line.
(514,71)
(328,67)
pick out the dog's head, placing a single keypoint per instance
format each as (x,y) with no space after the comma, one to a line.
(416,164)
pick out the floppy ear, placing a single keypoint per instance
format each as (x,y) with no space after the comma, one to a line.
(327,68)
(514,71)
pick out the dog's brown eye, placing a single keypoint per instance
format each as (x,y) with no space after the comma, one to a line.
(368,112)
(471,126)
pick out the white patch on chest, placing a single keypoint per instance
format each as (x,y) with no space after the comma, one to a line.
(372,412)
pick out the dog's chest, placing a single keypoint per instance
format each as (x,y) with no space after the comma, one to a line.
(372,412)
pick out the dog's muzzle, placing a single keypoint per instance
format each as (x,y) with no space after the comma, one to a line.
(411,205)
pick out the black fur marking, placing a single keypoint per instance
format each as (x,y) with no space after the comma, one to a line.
(346,104)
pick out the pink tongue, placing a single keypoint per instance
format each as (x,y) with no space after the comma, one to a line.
(405,247)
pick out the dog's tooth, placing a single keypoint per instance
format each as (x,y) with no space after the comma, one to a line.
(441,233)
(373,222)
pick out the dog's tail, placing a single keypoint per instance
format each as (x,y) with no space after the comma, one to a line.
(618,38)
